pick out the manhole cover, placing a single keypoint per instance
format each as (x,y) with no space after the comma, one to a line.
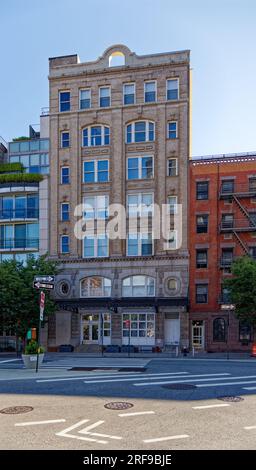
(118,405)
(179,386)
(231,399)
(16,410)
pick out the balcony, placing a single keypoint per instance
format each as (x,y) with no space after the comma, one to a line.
(19,244)
(19,214)
(238,225)
(240,190)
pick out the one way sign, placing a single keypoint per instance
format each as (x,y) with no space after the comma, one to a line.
(44,278)
(42,285)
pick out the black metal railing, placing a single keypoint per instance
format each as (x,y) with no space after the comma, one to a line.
(238,224)
(238,188)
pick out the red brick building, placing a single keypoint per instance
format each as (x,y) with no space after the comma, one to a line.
(222,227)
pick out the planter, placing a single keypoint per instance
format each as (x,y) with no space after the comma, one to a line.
(29,360)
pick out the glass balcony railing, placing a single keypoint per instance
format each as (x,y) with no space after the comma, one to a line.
(19,243)
(19,214)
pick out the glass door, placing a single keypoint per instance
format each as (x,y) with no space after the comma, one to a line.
(198,334)
(90,329)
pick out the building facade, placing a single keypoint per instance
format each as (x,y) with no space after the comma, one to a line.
(222,227)
(119,135)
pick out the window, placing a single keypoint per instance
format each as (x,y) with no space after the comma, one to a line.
(172,240)
(252,218)
(172,203)
(140,326)
(140,131)
(65,142)
(219,329)
(172,86)
(129,93)
(227,221)
(85,99)
(227,257)
(245,333)
(65,211)
(202,223)
(140,168)
(139,244)
(19,207)
(252,251)
(140,204)
(201,259)
(64,100)
(96,135)
(138,286)
(172,167)
(65,175)
(19,236)
(202,190)
(149,92)
(96,171)
(95,247)
(95,286)
(225,296)
(172,284)
(64,244)
(227,186)
(201,293)
(252,185)
(104,97)
(172,130)
(96,207)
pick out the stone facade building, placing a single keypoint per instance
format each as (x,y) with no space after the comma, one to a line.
(119,134)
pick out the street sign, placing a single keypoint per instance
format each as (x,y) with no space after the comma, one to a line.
(44,279)
(227,307)
(42,285)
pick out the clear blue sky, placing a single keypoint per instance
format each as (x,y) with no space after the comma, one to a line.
(220,34)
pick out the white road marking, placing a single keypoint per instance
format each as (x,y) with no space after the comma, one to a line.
(249,427)
(249,388)
(125,374)
(168,438)
(32,423)
(9,360)
(163,376)
(65,432)
(82,438)
(200,380)
(74,426)
(203,407)
(95,425)
(138,413)
(224,384)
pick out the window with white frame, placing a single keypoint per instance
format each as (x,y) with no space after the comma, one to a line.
(95,207)
(129,93)
(93,136)
(139,244)
(65,139)
(64,244)
(172,89)
(150,92)
(95,286)
(96,171)
(140,131)
(138,286)
(172,167)
(64,101)
(65,175)
(64,211)
(172,130)
(140,326)
(140,167)
(140,204)
(104,97)
(85,98)
(95,246)
(172,203)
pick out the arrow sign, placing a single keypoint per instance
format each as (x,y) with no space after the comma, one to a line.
(41,285)
(44,279)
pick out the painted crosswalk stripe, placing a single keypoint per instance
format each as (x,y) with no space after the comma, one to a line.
(9,360)
(204,407)
(249,427)
(249,388)
(223,384)
(125,374)
(34,423)
(137,413)
(199,380)
(167,438)
(163,376)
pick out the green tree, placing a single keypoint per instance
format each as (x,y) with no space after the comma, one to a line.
(242,288)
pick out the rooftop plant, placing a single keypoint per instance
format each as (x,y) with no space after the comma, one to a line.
(11,167)
(22,137)
(20,178)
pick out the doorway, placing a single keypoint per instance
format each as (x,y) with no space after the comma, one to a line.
(198,334)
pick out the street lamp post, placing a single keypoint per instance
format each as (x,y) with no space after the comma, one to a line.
(228,308)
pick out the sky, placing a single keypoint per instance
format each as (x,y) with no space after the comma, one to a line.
(219,33)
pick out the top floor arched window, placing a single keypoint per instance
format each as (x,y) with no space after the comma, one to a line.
(95,286)
(95,135)
(138,286)
(140,131)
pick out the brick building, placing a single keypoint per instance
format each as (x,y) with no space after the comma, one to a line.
(119,134)
(222,227)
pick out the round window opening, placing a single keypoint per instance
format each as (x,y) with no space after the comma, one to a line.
(172,284)
(64,288)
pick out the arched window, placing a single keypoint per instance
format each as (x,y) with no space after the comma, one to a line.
(95,286)
(140,131)
(95,135)
(219,329)
(116,59)
(138,286)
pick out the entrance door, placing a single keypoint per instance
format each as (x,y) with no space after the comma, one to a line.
(172,331)
(198,334)
(90,329)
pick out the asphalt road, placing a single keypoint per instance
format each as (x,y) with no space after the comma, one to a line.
(176,404)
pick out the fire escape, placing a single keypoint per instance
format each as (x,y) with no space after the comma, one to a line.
(238,194)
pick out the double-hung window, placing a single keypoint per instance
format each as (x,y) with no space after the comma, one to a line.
(202,223)
(64,211)
(201,259)
(104,97)
(96,207)
(64,101)
(201,293)
(140,204)
(95,246)
(140,168)
(64,244)
(202,190)
(139,244)
(172,167)
(96,171)
(172,89)
(150,92)
(65,139)
(129,93)
(85,99)
(172,203)
(65,175)
(172,130)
